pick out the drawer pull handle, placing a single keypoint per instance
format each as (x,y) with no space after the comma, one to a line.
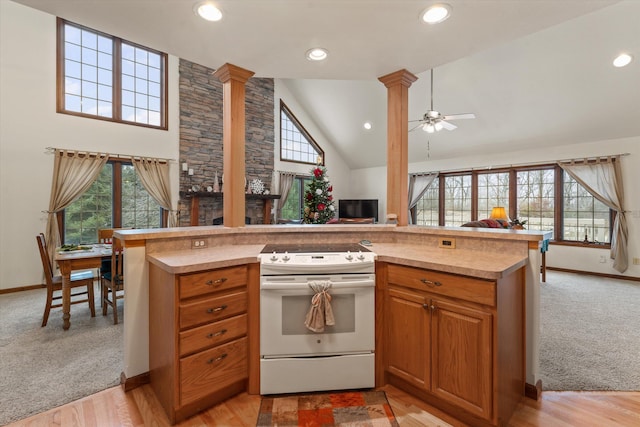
(216,282)
(217,309)
(217,359)
(430,283)
(217,334)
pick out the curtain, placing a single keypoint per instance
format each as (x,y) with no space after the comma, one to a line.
(73,174)
(154,175)
(418,184)
(603,180)
(286,181)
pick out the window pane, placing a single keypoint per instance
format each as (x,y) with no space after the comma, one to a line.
(295,143)
(457,200)
(536,198)
(428,206)
(89,212)
(139,209)
(584,217)
(493,190)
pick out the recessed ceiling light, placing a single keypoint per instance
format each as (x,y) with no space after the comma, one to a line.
(436,13)
(622,60)
(367,125)
(208,11)
(317,54)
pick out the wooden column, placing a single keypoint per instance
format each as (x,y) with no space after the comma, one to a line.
(397,85)
(233,79)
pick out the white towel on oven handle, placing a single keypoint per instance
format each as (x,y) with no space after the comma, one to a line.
(320,313)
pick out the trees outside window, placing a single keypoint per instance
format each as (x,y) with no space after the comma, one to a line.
(457,200)
(117,199)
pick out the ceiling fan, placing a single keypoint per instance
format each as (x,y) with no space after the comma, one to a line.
(434,121)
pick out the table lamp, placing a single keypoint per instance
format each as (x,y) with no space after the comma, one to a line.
(498,212)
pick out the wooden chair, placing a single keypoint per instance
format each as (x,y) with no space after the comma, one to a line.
(112,281)
(54,284)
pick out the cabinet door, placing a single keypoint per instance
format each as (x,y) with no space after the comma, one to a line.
(407,340)
(461,356)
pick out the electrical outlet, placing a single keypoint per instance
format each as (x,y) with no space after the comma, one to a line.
(603,258)
(448,243)
(636,261)
(198,243)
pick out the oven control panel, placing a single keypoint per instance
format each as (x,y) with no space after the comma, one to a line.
(334,262)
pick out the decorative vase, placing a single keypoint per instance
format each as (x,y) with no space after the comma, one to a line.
(216,185)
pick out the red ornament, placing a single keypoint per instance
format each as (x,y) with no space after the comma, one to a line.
(330,189)
(330,197)
(309,196)
(317,172)
(321,206)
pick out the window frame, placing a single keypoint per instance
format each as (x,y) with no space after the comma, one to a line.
(303,131)
(116,108)
(116,199)
(558,199)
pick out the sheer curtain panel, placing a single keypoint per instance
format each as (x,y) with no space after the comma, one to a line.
(286,181)
(418,184)
(603,180)
(73,174)
(154,175)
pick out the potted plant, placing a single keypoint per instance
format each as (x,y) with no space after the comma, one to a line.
(516,224)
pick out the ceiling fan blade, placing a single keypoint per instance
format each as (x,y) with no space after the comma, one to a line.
(416,127)
(448,126)
(459,116)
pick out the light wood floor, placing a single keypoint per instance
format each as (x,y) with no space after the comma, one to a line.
(139,407)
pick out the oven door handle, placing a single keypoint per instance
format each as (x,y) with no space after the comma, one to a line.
(283,286)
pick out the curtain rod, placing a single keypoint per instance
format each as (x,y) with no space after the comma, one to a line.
(51,150)
(484,168)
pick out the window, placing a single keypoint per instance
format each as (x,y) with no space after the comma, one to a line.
(584,216)
(296,144)
(457,199)
(294,205)
(536,198)
(493,190)
(104,77)
(116,199)
(543,195)
(428,206)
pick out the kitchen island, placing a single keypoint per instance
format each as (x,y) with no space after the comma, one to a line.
(479,253)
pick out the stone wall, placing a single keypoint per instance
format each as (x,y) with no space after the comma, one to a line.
(201,138)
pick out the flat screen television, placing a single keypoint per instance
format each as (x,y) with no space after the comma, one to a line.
(358,208)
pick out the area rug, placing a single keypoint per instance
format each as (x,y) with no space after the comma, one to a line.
(352,408)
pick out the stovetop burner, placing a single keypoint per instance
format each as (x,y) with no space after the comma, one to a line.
(313,248)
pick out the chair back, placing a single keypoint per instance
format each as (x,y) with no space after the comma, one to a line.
(105,235)
(117,261)
(44,256)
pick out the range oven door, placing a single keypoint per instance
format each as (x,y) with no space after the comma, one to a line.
(285,301)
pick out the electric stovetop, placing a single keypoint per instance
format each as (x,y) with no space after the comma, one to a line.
(304,248)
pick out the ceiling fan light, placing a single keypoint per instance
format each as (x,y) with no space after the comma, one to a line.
(438,126)
(436,13)
(429,128)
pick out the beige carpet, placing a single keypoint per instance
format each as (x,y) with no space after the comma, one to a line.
(42,368)
(590,333)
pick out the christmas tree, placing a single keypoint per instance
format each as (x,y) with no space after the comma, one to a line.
(318,201)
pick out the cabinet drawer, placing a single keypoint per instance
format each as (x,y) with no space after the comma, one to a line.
(211,309)
(211,370)
(193,285)
(212,334)
(465,288)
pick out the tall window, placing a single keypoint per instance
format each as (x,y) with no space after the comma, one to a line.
(105,77)
(428,206)
(292,208)
(536,198)
(116,199)
(296,144)
(584,216)
(493,190)
(457,199)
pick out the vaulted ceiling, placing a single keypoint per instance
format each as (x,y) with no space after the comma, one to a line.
(534,72)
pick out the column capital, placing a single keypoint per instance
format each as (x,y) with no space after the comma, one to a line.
(400,77)
(232,72)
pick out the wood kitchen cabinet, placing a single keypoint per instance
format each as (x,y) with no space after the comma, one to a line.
(454,341)
(198,341)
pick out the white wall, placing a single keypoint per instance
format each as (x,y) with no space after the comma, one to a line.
(372,183)
(337,170)
(29,123)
